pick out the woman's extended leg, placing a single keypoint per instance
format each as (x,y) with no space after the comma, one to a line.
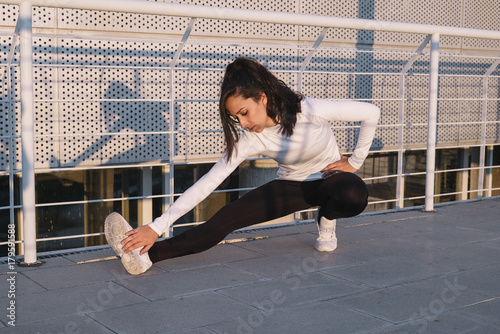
(340,195)
(275,199)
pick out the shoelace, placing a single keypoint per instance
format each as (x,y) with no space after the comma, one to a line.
(326,233)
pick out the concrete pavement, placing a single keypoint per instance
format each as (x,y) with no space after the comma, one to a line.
(403,272)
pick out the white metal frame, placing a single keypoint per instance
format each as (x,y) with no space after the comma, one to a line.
(24,32)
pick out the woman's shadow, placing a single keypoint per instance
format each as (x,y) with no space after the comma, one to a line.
(143,120)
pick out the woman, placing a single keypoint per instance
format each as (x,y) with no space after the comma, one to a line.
(281,125)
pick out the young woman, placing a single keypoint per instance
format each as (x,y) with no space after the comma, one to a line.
(281,125)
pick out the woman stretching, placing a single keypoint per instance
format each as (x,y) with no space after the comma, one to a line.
(282,125)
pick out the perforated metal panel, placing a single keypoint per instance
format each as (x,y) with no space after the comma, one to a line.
(10,110)
(96,20)
(110,87)
(125,22)
(446,13)
(329,8)
(9,15)
(481,14)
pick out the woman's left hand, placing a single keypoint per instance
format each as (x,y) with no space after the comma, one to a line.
(341,165)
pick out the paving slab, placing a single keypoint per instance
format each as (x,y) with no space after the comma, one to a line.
(370,250)
(390,271)
(462,257)
(273,231)
(358,233)
(54,304)
(391,217)
(449,322)
(292,291)
(23,285)
(449,237)
(485,280)
(281,244)
(423,222)
(63,324)
(50,262)
(173,315)
(192,281)
(494,243)
(217,255)
(467,214)
(292,263)
(91,256)
(76,275)
(318,318)
(486,311)
(415,300)
(195,331)
(489,225)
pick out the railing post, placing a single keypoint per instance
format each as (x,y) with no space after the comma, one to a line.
(27,134)
(482,151)
(432,123)
(169,183)
(488,177)
(400,186)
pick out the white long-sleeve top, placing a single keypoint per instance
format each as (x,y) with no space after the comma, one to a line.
(300,157)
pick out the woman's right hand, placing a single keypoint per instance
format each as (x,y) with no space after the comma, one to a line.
(143,236)
(342,165)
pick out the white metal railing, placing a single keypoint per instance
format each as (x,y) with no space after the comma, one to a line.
(24,32)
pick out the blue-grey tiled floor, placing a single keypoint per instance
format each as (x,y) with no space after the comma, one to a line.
(403,272)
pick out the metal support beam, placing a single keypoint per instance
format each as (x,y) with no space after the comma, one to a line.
(169,182)
(413,58)
(488,177)
(463,176)
(432,123)
(146,204)
(12,49)
(28,134)
(310,55)
(187,32)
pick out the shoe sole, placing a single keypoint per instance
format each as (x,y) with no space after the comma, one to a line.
(323,248)
(115,228)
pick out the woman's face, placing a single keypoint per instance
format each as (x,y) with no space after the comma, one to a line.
(251,114)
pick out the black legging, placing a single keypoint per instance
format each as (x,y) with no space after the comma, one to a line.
(340,195)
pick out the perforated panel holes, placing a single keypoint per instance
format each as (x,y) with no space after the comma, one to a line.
(4,154)
(9,14)
(43,17)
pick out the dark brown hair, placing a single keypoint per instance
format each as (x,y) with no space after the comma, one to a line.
(247,78)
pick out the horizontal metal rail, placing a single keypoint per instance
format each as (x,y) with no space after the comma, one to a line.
(217,157)
(248,15)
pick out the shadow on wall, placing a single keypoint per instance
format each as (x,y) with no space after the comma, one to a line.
(140,120)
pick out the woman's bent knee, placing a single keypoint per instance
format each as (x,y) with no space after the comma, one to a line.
(351,199)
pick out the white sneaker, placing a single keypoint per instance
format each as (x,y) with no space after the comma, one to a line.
(115,227)
(327,240)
